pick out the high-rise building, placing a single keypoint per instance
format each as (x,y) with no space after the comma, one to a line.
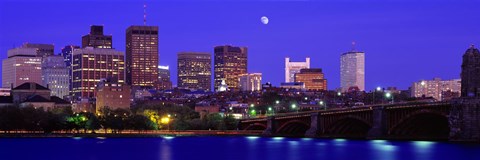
(436,88)
(112,95)
(194,70)
(352,70)
(67,58)
(230,62)
(96,38)
(142,56)
(313,79)
(42,50)
(90,65)
(164,81)
(294,67)
(22,66)
(55,75)
(251,82)
(471,73)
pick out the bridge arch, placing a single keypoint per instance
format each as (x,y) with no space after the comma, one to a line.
(424,123)
(293,127)
(256,126)
(349,126)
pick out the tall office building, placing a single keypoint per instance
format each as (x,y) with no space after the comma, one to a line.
(67,58)
(142,56)
(312,78)
(194,70)
(55,75)
(229,63)
(437,88)
(471,73)
(22,66)
(43,50)
(294,67)
(90,65)
(251,82)
(164,81)
(352,70)
(96,38)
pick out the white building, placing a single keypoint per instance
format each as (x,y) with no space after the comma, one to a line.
(436,88)
(352,70)
(21,66)
(251,82)
(294,67)
(55,75)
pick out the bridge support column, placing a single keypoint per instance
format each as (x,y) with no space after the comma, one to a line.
(271,127)
(464,120)
(315,126)
(378,128)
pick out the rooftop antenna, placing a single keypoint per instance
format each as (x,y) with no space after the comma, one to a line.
(144,14)
(353,46)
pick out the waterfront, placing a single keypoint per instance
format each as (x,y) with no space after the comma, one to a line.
(229,147)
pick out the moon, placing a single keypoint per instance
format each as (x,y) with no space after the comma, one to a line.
(264,20)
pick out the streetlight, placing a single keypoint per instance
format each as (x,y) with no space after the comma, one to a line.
(306,98)
(323,104)
(277,102)
(252,105)
(294,106)
(271,110)
(339,93)
(166,121)
(388,95)
(379,88)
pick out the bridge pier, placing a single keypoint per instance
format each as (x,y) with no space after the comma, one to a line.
(271,127)
(464,120)
(315,126)
(379,124)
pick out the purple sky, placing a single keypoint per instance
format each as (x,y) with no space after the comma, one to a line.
(404,41)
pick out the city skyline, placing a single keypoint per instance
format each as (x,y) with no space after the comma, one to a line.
(399,58)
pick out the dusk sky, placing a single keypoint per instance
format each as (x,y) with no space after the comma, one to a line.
(403,41)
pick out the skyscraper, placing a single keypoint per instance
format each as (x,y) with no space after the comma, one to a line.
(90,65)
(352,70)
(194,70)
(42,50)
(142,56)
(251,82)
(96,38)
(22,65)
(230,62)
(312,78)
(67,58)
(471,73)
(164,81)
(55,75)
(294,67)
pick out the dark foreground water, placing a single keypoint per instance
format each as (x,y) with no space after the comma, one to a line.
(227,148)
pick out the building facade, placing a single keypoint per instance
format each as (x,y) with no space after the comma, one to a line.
(55,75)
(294,67)
(293,85)
(43,50)
(142,56)
(67,58)
(251,82)
(194,70)
(352,70)
(90,65)
(96,38)
(112,95)
(164,81)
(22,65)
(471,73)
(229,63)
(313,79)
(437,88)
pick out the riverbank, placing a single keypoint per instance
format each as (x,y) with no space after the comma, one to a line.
(132,134)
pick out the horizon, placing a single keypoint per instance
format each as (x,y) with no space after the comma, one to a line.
(418,36)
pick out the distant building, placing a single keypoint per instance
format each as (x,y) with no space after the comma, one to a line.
(142,56)
(229,63)
(352,70)
(96,38)
(55,75)
(90,65)
(37,96)
(194,70)
(471,73)
(164,81)
(205,109)
(67,57)
(293,85)
(21,65)
(5,91)
(294,67)
(42,50)
(112,95)
(437,89)
(251,82)
(312,78)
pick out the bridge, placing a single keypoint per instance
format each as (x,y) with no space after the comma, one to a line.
(432,121)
